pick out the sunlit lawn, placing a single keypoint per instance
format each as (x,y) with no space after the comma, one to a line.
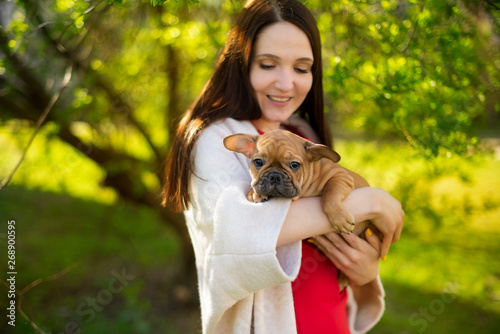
(443,276)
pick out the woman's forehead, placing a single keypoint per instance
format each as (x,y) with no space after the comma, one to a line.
(283,39)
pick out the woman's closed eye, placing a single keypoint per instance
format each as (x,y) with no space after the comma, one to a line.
(296,69)
(303,67)
(302,70)
(266,66)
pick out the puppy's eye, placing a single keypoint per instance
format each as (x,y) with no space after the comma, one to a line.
(294,165)
(258,163)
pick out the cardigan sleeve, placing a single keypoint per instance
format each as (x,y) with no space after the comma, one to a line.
(365,306)
(235,239)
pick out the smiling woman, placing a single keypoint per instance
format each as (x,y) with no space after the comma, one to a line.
(269,77)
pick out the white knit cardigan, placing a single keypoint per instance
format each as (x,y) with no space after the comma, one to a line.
(244,280)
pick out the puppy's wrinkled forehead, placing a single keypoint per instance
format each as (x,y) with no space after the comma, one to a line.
(279,142)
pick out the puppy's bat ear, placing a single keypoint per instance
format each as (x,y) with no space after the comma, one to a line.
(240,143)
(317,152)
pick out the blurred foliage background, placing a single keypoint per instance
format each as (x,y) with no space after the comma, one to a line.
(94,89)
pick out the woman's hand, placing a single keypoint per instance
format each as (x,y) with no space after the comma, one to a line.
(355,257)
(379,207)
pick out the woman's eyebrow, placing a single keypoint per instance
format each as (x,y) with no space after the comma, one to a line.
(269,55)
(306,59)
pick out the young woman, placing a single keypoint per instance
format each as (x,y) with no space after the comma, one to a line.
(255,274)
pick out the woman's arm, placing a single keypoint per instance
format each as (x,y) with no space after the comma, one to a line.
(306,217)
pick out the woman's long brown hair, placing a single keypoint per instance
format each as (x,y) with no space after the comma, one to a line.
(229,93)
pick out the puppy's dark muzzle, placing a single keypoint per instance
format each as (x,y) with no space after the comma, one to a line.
(276,184)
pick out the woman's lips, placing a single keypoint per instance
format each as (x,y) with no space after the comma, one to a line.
(279,99)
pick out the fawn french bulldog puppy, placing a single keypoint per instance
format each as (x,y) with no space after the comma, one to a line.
(283,164)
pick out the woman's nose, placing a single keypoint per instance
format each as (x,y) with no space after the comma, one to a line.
(284,80)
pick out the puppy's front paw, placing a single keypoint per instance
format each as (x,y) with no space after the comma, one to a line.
(341,219)
(254,197)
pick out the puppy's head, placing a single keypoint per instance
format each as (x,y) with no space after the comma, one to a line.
(279,160)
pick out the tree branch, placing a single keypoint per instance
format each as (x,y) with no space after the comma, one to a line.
(36,93)
(101,82)
(48,108)
(492,4)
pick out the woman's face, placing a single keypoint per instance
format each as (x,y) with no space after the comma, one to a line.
(280,73)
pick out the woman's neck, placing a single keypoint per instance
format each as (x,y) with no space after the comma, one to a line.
(265,126)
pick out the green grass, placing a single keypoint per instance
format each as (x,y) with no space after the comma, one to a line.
(55,232)
(443,276)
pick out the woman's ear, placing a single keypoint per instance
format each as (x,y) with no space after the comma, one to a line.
(240,143)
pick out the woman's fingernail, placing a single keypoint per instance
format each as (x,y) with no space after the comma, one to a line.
(385,258)
(369,232)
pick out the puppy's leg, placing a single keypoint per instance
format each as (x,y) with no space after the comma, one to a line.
(254,197)
(334,192)
(343,280)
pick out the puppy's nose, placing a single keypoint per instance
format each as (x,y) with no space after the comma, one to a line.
(275,177)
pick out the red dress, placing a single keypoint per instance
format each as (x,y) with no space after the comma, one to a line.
(320,308)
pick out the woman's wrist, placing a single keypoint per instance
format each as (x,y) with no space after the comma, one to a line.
(362,203)
(381,209)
